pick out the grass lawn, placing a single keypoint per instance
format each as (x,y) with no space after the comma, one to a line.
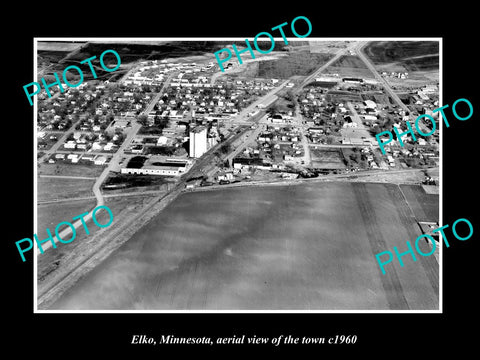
(326,158)
(60,188)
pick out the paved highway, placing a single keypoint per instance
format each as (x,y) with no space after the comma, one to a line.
(386,85)
(359,132)
(268,98)
(359,50)
(322,68)
(250,138)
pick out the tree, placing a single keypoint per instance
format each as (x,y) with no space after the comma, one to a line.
(142,119)
(355,157)
(161,122)
(137,97)
(273,109)
(225,148)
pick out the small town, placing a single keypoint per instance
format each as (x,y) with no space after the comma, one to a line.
(163,116)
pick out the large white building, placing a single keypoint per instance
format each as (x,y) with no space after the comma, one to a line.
(168,167)
(198,141)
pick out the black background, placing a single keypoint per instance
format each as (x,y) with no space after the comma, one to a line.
(378,334)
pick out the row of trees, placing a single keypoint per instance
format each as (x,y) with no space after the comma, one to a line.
(158,121)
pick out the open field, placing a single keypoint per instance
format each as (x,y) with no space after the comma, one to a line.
(411,55)
(431,189)
(69,169)
(61,46)
(415,79)
(327,158)
(79,257)
(50,215)
(63,188)
(350,66)
(308,246)
(248,70)
(297,63)
(350,61)
(425,206)
(408,177)
(48,57)
(130,52)
(326,47)
(379,98)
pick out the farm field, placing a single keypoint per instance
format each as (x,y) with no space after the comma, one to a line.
(425,206)
(350,72)
(307,246)
(69,169)
(350,66)
(350,61)
(409,55)
(300,63)
(62,188)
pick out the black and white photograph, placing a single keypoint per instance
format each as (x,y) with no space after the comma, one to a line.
(248,181)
